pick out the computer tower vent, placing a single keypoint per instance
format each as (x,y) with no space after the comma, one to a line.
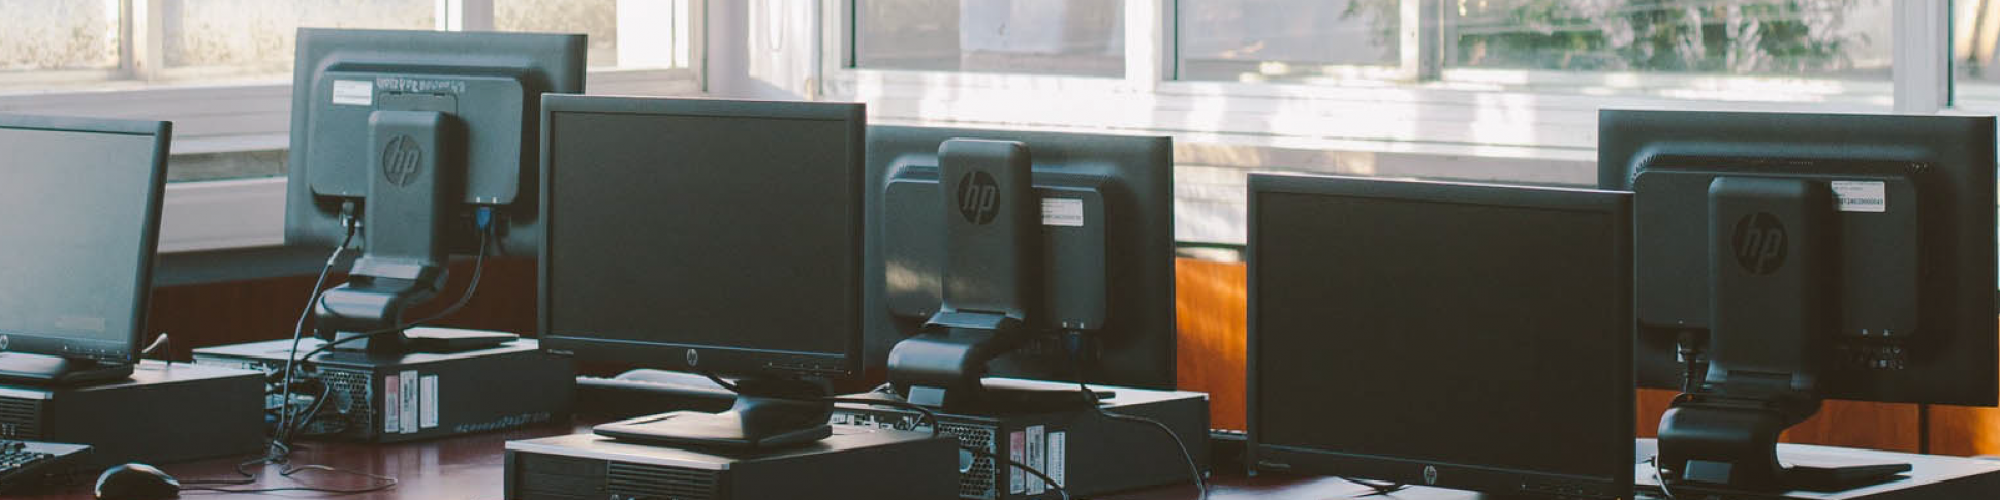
(20,418)
(980,482)
(351,394)
(628,480)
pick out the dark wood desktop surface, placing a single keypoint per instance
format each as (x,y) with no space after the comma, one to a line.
(471,467)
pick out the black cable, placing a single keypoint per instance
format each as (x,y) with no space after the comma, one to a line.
(387,483)
(1380,488)
(299,328)
(1194,468)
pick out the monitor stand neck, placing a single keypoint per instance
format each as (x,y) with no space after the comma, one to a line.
(942,365)
(46,370)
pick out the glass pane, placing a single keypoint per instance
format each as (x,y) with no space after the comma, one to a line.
(255,36)
(58,34)
(1845,39)
(596,18)
(1066,37)
(1975,40)
(1287,40)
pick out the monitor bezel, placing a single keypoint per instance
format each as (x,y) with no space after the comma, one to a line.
(126,352)
(716,359)
(1615,206)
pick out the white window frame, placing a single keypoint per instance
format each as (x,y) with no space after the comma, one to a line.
(247,117)
(1459,123)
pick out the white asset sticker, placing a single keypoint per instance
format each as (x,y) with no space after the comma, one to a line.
(429,397)
(1058,462)
(1036,452)
(1017,452)
(410,404)
(1062,212)
(1861,196)
(392,404)
(354,92)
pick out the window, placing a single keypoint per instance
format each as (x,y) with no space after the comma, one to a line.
(1289,40)
(1060,37)
(1975,67)
(43,35)
(207,39)
(596,18)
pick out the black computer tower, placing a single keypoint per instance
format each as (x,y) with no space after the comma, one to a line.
(391,398)
(165,413)
(876,464)
(1085,452)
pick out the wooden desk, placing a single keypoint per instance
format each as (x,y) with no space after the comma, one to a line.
(472,467)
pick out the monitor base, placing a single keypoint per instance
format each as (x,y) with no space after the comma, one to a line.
(424,340)
(1737,447)
(42,369)
(769,413)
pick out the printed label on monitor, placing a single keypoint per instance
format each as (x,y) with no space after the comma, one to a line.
(392,404)
(1037,449)
(1017,452)
(1861,196)
(429,396)
(354,92)
(411,409)
(1062,212)
(1058,460)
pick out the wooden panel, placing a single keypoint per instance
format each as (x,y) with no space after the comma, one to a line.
(1209,311)
(245,311)
(1958,430)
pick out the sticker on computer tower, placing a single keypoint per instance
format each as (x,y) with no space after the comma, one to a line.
(1861,196)
(429,397)
(392,404)
(354,92)
(1036,450)
(1058,458)
(1062,212)
(411,408)
(1017,452)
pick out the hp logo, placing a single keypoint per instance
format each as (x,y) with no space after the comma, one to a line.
(401,160)
(978,197)
(1430,475)
(693,358)
(1759,243)
(3,342)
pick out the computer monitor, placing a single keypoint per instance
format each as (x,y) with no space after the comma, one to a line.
(421,139)
(1101,268)
(1452,335)
(1784,258)
(710,236)
(81,223)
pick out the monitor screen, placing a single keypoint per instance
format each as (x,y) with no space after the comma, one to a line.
(728,228)
(80,226)
(1435,328)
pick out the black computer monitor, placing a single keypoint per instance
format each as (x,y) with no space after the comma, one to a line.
(1102,266)
(1784,258)
(709,236)
(1453,335)
(80,225)
(421,138)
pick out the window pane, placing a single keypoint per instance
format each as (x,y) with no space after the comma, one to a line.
(596,18)
(1068,37)
(1287,40)
(255,36)
(1845,39)
(58,34)
(1975,40)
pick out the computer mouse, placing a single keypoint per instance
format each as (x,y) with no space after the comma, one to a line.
(136,482)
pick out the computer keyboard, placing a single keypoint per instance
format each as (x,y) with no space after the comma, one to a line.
(25,463)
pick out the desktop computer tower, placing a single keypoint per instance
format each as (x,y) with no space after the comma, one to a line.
(165,413)
(877,464)
(1087,453)
(391,398)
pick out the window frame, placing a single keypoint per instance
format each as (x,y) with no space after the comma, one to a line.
(252,116)
(1463,117)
